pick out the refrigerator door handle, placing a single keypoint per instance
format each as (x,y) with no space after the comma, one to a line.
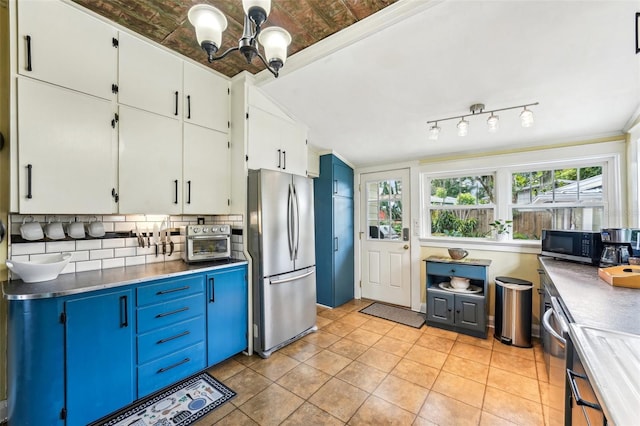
(290,222)
(297,220)
(297,277)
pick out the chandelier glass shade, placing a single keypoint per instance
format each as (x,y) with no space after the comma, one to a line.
(209,23)
(493,122)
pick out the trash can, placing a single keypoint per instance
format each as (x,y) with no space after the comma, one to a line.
(513,311)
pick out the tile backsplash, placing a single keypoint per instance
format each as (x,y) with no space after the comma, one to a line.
(119,247)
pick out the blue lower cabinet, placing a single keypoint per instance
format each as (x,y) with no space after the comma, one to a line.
(35,362)
(227,316)
(100,355)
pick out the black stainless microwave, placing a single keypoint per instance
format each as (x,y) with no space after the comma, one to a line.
(578,246)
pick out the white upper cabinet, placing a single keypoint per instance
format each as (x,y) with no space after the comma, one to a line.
(60,44)
(149,78)
(206,98)
(67,151)
(276,143)
(207,175)
(150,160)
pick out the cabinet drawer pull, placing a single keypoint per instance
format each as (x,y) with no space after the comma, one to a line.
(168,339)
(172,290)
(184,361)
(177,311)
(28,38)
(29,168)
(576,392)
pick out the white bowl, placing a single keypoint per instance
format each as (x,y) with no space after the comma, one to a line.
(459,283)
(45,268)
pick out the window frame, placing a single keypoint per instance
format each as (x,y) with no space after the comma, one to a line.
(608,154)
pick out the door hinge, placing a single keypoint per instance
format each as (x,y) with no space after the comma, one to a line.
(114,88)
(360,283)
(115,42)
(228,91)
(246,158)
(228,145)
(228,201)
(247,116)
(63,318)
(63,414)
(116,118)
(228,124)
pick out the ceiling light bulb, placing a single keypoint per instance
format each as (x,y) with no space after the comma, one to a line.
(434,132)
(463,127)
(209,23)
(275,41)
(493,123)
(526,118)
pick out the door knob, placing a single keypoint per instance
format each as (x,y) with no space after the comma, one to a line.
(406,247)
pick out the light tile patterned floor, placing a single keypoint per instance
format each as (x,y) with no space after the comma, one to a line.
(362,370)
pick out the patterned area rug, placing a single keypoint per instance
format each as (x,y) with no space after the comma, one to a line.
(395,314)
(181,404)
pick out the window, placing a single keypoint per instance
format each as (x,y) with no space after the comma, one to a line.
(562,198)
(384,209)
(461,206)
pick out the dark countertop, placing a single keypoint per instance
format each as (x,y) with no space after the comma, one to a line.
(590,301)
(81,282)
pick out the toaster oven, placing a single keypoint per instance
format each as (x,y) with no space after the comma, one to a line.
(206,242)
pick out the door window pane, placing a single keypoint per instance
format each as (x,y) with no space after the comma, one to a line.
(384,209)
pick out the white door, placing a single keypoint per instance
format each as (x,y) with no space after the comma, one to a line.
(386,267)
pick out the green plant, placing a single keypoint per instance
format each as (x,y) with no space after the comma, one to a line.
(501,226)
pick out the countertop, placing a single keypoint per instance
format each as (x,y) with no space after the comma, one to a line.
(81,282)
(605,332)
(590,301)
(465,261)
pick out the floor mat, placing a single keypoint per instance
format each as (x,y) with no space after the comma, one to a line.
(393,313)
(180,404)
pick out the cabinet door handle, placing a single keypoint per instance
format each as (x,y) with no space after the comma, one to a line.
(184,361)
(177,311)
(175,182)
(124,312)
(28,38)
(335,244)
(576,392)
(284,162)
(212,284)
(188,192)
(29,168)
(172,290)
(176,95)
(279,158)
(177,336)
(335,186)
(188,106)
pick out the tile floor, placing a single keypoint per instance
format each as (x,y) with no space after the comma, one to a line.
(362,370)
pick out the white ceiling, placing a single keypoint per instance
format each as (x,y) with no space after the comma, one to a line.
(368,91)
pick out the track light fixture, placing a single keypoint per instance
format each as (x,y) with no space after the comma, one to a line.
(210,22)
(526,119)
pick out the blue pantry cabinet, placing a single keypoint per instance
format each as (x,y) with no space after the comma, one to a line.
(73,359)
(333,203)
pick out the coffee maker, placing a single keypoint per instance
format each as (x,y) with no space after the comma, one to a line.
(616,246)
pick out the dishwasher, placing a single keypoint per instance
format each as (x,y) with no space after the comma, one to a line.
(554,334)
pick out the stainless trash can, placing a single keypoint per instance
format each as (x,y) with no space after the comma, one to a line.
(513,311)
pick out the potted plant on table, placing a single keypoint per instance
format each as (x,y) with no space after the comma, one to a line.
(501,228)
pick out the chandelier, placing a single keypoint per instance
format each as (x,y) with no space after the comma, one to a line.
(526,119)
(210,22)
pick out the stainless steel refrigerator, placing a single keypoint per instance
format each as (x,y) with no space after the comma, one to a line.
(281,243)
